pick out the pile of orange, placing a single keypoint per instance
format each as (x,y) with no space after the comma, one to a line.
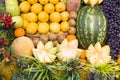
(51,14)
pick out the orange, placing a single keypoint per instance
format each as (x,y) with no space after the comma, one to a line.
(32,28)
(70,37)
(43,2)
(55,27)
(25,6)
(43,28)
(36,8)
(49,8)
(19,32)
(64,26)
(83,54)
(25,23)
(64,15)
(60,6)
(118,60)
(31,17)
(54,1)
(55,17)
(32,1)
(24,15)
(43,16)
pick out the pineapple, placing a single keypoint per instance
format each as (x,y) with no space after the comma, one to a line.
(33,69)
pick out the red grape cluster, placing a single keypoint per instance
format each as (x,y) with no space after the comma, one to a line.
(7,20)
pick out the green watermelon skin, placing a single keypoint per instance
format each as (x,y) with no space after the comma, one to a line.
(91,26)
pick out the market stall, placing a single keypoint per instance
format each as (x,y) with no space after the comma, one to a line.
(59,40)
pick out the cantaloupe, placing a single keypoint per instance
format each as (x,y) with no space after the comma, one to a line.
(22,46)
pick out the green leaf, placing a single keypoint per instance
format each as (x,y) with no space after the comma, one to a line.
(35,75)
(40,76)
(77,77)
(2,6)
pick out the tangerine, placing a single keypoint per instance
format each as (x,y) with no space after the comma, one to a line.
(70,37)
(19,32)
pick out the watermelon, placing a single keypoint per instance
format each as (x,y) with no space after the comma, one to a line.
(91,26)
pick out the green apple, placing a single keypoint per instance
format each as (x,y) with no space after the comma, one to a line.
(18,21)
(64,1)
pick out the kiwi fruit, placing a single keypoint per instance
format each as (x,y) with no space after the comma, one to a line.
(65,34)
(55,43)
(35,41)
(73,15)
(44,38)
(72,30)
(60,37)
(72,22)
(52,36)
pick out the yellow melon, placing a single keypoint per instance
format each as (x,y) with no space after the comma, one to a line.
(22,46)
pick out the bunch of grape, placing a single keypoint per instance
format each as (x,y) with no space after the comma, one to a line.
(111,8)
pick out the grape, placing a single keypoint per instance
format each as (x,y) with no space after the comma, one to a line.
(111,8)
(2,1)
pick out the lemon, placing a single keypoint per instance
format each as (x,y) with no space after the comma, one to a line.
(54,1)
(32,1)
(43,16)
(24,15)
(43,2)
(60,6)
(36,8)
(43,28)
(55,17)
(25,6)
(31,17)
(49,8)
(32,28)
(64,26)
(25,23)
(55,27)
(64,16)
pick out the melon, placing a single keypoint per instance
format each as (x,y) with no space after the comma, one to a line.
(22,46)
(91,26)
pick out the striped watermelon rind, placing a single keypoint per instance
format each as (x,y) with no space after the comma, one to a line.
(91,26)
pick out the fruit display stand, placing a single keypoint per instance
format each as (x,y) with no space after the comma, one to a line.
(59,40)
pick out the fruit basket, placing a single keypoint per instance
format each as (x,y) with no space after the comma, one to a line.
(59,40)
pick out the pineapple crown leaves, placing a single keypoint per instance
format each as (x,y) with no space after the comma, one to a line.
(72,69)
(38,70)
(106,70)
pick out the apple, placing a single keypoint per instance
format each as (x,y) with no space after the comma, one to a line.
(63,1)
(18,21)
